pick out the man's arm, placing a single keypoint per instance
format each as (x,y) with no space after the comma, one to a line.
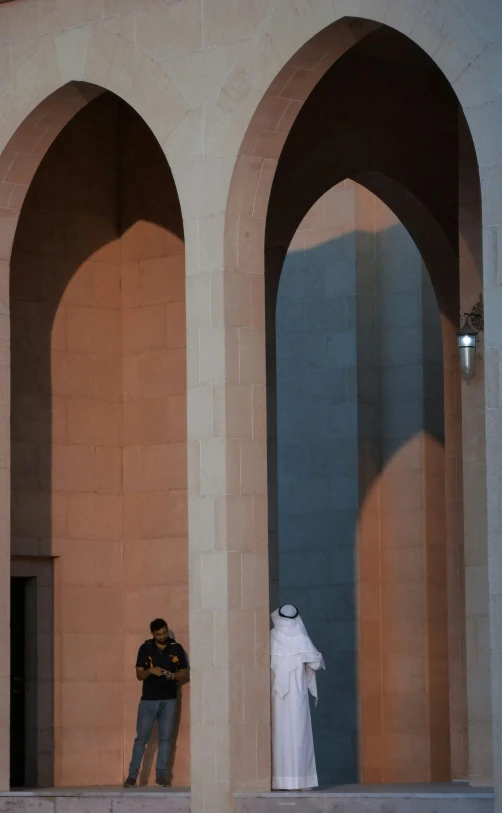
(182,676)
(143,674)
(142,671)
(183,673)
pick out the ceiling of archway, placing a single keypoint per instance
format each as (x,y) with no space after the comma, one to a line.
(385,43)
(366,115)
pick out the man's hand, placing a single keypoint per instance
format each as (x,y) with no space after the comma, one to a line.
(182,676)
(144,674)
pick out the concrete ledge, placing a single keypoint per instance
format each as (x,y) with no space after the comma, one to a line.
(96,800)
(348,799)
(96,792)
(372,799)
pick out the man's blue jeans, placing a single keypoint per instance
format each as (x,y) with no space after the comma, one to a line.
(164,711)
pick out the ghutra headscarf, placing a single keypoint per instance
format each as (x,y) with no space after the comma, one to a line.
(291,649)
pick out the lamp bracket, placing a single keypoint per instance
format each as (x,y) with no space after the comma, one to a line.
(475,319)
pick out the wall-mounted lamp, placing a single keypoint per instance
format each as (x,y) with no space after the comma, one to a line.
(470,326)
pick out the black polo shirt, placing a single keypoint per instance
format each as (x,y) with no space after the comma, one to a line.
(172,658)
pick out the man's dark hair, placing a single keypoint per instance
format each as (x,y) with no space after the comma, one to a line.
(157,624)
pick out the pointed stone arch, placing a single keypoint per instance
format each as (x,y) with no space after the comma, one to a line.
(31,124)
(279,67)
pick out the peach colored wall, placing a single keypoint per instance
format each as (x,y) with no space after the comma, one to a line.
(99,426)
(155,543)
(454,408)
(405,726)
(441,734)
(66,428)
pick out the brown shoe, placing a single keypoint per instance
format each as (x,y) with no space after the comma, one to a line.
(130,782)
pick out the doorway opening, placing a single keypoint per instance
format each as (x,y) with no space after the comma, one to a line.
(18,588)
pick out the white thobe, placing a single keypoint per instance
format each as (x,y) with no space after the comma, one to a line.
(293,759)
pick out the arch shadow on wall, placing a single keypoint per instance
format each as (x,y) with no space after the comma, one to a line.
(360,415)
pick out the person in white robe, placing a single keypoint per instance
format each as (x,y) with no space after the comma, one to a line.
(294,663)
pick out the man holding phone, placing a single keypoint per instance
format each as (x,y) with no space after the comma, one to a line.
(162,666)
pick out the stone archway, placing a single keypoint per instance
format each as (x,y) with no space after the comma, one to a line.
(321,150)
(50,79)
(98,432)
(249,196)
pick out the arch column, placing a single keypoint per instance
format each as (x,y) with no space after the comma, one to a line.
(471,474)
(229,628)
(492,284)
(4,510)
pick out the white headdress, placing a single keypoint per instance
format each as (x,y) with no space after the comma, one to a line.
(290,649)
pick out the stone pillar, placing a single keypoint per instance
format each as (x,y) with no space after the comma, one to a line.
(8,223)
(472,477)
(229,627)
(4,515)
(491,179)
(490,171)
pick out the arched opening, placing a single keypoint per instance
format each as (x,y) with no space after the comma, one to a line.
(98,436)
(360,440)
(363,102)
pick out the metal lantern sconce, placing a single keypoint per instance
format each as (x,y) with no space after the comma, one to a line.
(470,326)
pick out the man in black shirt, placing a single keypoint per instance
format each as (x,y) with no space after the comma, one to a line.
(162,666)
